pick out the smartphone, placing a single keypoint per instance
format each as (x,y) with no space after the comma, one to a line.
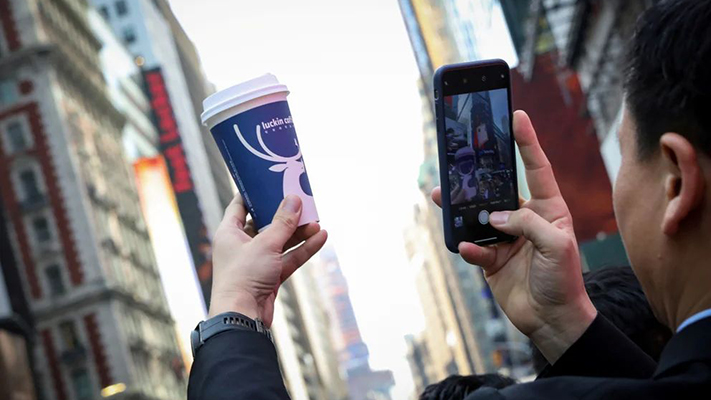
(476,150)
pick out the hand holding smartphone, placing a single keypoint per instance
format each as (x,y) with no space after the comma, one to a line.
(476,150)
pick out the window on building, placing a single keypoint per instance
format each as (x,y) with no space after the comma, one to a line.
(82,384)
(8,92)
(70,339)
(28,179)
(41,228)
(104,10)
(54,278)
(16,137)
(121,8)
(129,35)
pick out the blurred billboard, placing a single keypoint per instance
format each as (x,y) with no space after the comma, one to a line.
(171,248)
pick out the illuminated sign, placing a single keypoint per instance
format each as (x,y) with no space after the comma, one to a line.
(170,246)
(171,146)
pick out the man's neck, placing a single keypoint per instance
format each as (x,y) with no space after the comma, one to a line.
(689,282)
(690,305)
(686,280)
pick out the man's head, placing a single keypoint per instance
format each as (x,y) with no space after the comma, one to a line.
(457,387)
(662,197)
(617,295)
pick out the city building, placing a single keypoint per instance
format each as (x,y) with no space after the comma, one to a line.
(140,139)
(363,382)
(16,326)
(465,332)
(451,297)
(294,348)
(174,84)
(572,51)
(419,359)
(302,335)
(595,48)
(589,37)
(100,317)
(126,91)
(318,326)
(199,89)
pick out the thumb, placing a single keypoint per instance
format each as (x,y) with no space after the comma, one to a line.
(525,222)
(284,224)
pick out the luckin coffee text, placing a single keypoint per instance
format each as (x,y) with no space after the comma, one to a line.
(277,122)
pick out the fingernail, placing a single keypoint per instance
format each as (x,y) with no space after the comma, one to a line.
(499,218)
(292,203)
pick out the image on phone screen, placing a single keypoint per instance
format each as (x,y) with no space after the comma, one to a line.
(479,155)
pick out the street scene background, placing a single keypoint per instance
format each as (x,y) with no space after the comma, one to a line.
(111,189)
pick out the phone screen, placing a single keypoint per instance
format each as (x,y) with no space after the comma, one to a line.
(480,158)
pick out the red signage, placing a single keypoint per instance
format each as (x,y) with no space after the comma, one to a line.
(171,143)
(171,146)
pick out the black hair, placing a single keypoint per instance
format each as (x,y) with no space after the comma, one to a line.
(618,296)
(457,387)
(668,74)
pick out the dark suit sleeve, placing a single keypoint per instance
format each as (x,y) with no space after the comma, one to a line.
(602,351)
(236,365)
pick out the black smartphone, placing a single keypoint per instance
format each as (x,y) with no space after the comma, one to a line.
(476,150)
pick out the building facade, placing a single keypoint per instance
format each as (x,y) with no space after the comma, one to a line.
(595,48)
(318,326)
(141,142)
(363,382)
(294,347)
(578,48)
(302,334)
(126,91)
(75,225)
(156,45)
(199,89)
(590,38)
(16,325)
(418,358)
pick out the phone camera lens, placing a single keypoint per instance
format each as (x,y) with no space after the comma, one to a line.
(502,76)
(436,94)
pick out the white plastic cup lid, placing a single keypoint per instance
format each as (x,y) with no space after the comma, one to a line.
(241,93)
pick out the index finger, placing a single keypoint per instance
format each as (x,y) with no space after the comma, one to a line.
(236,213)
(539,173)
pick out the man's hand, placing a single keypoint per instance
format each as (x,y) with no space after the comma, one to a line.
(537,279)
(248,269)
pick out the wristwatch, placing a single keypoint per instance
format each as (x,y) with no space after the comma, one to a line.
(222,323)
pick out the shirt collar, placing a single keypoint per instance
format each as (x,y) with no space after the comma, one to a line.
(694,318)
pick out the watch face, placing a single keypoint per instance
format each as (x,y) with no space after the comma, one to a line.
(194,341)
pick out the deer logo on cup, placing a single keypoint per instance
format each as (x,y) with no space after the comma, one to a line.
(292,167)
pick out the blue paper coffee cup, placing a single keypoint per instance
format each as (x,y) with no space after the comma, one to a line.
(254,130)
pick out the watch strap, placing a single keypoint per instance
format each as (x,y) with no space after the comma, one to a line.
(229,320)
(226,322)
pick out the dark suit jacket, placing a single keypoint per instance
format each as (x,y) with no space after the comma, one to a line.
(236,365)
(604,364)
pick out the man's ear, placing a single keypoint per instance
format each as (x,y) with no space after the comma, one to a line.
(683,183)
